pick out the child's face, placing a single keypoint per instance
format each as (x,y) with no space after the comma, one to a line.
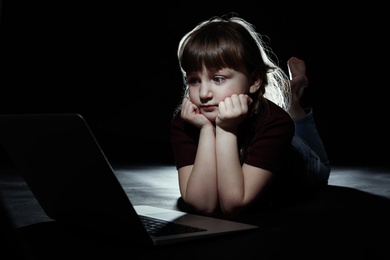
(208,88)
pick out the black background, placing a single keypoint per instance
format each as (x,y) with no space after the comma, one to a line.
(115,63)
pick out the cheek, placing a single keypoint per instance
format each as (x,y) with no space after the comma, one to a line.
(228,93)
(192,95)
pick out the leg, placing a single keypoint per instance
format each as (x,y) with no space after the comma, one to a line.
(307,140)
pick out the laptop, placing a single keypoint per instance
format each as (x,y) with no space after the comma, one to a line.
(74,183)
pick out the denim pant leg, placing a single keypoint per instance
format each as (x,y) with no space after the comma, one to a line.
(308,143)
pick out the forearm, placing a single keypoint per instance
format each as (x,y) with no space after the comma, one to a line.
(201,191)
(231,183)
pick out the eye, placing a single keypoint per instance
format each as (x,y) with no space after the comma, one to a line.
(192,81)
(219,79)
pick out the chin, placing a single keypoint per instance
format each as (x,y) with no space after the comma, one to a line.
(211,116)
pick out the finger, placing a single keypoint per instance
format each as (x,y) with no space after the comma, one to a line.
(222,107)
(188,106)
(228,103)
(185,104)
(236,101)
(249,100)
(244,102)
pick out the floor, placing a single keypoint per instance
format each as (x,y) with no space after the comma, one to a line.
(351,218)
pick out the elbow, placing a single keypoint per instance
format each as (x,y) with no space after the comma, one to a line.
(203,207)
(234,204)
(231,210)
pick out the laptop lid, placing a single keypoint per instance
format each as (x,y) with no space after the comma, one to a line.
(67,171)
(68,174)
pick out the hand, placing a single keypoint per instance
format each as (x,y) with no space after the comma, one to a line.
(190,113)
(232,111)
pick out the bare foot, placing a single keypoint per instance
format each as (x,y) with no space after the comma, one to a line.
(299,82)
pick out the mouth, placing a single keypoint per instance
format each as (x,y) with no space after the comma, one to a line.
(209,108)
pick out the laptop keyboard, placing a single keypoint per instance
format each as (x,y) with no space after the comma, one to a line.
(158,227)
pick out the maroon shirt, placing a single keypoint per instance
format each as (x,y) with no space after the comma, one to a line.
(270,149)
(267,150)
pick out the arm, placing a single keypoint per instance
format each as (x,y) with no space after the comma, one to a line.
(238,186)
(307,139)
(198,182)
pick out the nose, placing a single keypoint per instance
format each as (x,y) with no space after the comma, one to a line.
(205,92)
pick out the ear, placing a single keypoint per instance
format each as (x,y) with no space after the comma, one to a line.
(255,86)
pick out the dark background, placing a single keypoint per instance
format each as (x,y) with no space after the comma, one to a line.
(115,63)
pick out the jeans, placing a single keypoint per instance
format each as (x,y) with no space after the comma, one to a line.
(308,143)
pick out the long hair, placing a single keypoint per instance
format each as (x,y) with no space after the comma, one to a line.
(223,42)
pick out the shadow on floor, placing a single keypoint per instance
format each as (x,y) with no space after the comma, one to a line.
(338,221)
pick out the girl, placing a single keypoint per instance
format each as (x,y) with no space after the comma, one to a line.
(240,136)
